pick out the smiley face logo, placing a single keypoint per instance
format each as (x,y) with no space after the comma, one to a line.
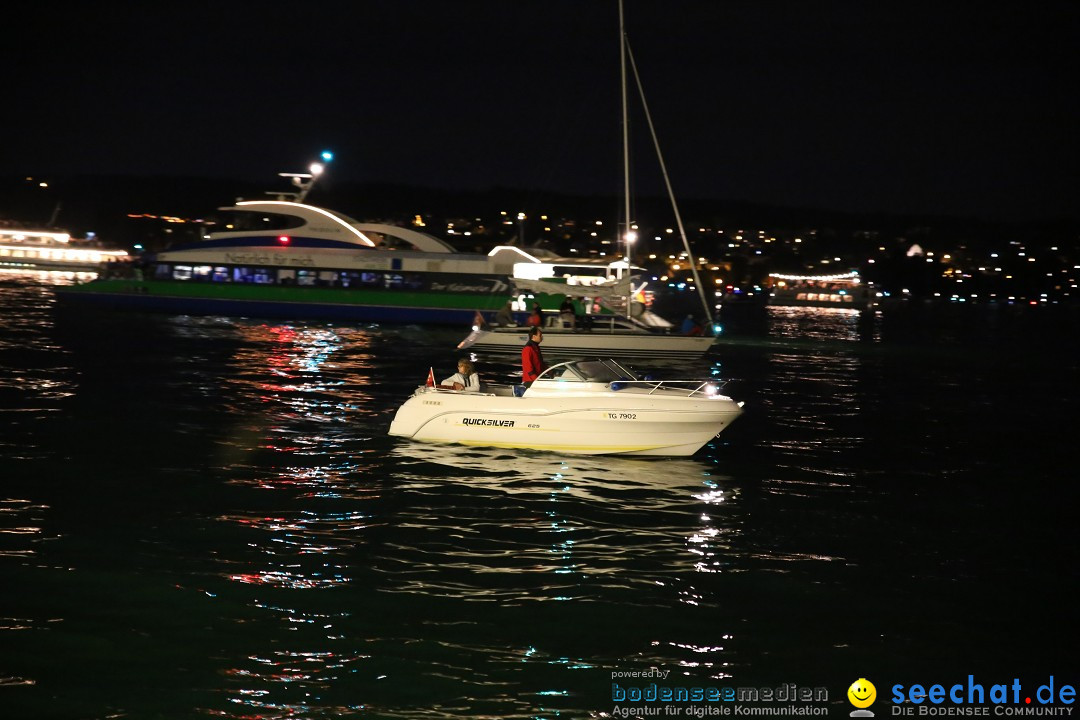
(862,693)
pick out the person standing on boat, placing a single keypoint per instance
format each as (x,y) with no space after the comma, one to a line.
(466,378)
(505,317)
(584,321)
(567,314)
(532,360)
(690,326)
(536,317)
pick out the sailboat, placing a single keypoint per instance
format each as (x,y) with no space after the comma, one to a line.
(633,334)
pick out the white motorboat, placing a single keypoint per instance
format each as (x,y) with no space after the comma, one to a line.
(599,335)
(587,407)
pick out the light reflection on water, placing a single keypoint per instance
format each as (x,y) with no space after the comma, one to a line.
(822,324)
(210,509)
(479,526)
(817,394)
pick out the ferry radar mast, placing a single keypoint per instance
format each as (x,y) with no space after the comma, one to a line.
(303,181)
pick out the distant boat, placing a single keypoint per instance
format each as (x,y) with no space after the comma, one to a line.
(596,335)
(841,290)
(53,249)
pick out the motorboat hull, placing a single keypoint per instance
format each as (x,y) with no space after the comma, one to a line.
(623,423)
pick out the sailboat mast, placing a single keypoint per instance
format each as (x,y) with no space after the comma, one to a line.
(667,182)
(626,158)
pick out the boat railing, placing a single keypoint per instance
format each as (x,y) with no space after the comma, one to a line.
(486,389)
(706,388)
(445,389)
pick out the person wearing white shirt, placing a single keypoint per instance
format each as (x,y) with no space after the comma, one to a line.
(466,378)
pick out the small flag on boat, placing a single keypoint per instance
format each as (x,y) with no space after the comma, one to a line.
(431,377)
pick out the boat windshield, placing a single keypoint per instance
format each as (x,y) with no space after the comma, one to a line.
(596,371)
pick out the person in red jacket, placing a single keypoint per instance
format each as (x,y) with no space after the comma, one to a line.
(532,360)
(536,317)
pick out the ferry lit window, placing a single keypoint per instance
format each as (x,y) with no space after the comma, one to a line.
(371,278)
(182,272)
(252,275)
(202,272)
(221,274)
(403,282)
(306,277)
(162,271)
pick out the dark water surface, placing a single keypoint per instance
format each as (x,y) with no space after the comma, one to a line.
(204,517)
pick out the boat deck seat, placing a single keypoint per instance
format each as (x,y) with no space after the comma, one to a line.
(501,390)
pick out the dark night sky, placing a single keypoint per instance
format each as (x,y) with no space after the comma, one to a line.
(903,107)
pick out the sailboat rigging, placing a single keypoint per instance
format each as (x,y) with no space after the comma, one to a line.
(626,54)
(623,336)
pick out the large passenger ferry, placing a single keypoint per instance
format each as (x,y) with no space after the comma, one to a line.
(288,259)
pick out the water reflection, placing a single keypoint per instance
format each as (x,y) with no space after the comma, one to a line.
(34,375)
(816,395)
(823,324)
(586,524)
(713,542)
(255,546)
(314,373)
(21,535)
(294,394)
(344,530)
(20,527)
(594,477)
